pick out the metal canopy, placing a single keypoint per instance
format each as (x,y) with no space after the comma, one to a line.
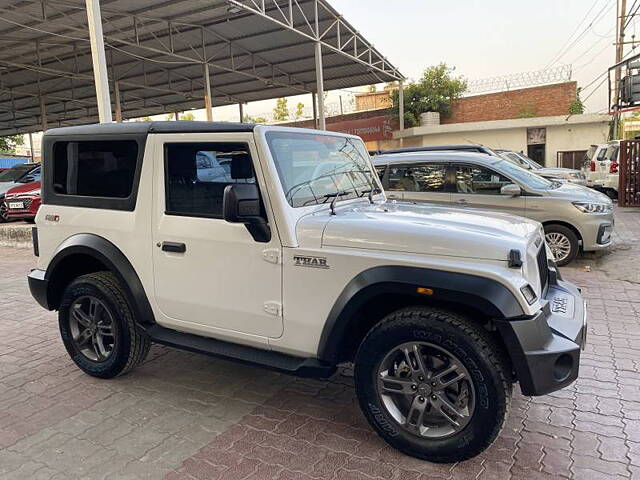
(157,53)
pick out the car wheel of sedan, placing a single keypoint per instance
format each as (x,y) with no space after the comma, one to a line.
(3,212)
(433,384)
(563,243)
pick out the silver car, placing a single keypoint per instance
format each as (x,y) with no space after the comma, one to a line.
(568,174)
(574,217)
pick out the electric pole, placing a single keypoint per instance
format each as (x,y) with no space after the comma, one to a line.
(621,17)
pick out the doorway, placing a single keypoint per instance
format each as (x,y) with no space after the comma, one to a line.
(536,152)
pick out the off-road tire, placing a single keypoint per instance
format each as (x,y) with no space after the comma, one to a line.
(131,344)
(477,351)
(573,241)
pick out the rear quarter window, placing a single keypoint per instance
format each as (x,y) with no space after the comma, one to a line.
(93,173)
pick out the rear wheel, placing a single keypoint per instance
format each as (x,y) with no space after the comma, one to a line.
(563,243)
(98,326)
(433,384)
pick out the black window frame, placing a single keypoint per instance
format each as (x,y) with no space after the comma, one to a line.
(197,144)
(51,197)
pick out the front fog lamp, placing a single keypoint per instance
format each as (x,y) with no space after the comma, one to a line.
(529,295)
(588,207)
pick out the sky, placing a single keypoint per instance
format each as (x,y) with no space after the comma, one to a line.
(489,38)
(481,39)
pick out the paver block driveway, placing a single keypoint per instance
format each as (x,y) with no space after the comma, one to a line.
(186,416)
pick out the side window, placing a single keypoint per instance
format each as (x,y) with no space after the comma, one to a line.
(479,180)
(401,179)
(601,154)
(104,169)
(197,174)
(418,178)
(429,178)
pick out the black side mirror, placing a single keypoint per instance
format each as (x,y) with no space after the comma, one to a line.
(241,204)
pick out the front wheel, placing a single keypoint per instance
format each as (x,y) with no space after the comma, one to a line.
(98,327)
(433,384)
(563,243)
(3,212)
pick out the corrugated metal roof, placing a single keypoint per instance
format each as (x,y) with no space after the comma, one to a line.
(156,49)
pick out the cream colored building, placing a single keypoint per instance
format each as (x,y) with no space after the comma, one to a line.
(541,137)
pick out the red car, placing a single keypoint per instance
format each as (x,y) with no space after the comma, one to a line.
(23,201)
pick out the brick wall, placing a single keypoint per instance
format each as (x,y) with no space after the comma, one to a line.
(373,100)
(544,101)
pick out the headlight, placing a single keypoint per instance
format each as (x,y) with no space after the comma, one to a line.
(587,207)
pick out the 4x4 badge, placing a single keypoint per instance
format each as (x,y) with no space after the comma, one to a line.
(313,262)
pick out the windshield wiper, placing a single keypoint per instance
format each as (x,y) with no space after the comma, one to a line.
(335,197)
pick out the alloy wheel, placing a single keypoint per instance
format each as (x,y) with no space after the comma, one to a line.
(426,389)
(559,244)
(92,328)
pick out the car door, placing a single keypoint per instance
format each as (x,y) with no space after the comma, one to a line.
(419,182)
(211,275)
(477,186)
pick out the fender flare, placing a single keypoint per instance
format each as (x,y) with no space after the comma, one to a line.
(115,261)
(484,294)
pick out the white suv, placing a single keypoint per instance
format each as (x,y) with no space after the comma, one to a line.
(295,260)
(602,173)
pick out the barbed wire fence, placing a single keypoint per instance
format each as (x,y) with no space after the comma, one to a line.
(502,83)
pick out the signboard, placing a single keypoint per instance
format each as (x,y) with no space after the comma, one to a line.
(536,136)
(369,129)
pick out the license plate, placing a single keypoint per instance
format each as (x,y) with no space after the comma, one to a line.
(16,205)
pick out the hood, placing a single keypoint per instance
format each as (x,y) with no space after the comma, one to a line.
(577,193)
(23,188)
(429,229)
(565,172)
(4,186)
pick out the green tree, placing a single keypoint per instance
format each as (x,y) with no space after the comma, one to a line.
(250,119)
(187,117)
(170,116)
(9,144)
(299,110)
(435,92)
(281,111)
(577,107)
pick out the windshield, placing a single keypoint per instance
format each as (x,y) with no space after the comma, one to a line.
(526,177)
(14,173)
(535,165)
(314,169)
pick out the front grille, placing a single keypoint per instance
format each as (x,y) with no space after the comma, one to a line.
(543,268)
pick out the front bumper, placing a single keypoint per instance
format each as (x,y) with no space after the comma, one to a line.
(545,349)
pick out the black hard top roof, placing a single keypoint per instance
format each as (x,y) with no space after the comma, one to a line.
(142,128)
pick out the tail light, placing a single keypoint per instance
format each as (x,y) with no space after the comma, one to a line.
(592,167)
(613,168)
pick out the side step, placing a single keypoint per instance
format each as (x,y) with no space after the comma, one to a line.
(303,367)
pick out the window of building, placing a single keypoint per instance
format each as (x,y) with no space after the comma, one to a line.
(197,174)
(479,180)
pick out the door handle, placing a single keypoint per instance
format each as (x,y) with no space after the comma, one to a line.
(462,201)
(174,247)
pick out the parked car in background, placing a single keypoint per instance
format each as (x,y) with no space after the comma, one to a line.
(23,173)
(23,201)
(463,147)
(566,174)
(573,217)
(602,173)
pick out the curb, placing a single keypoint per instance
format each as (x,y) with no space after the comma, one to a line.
(18,236)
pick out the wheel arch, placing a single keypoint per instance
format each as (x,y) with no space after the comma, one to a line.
(380,290)
(567,225)
(87,253)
